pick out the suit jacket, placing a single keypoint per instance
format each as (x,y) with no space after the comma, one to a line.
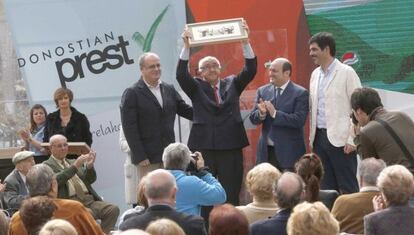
(275,225)
(77,129)
(191,224)
(70,210)
(216,127)
(390,221)
(350,209)
(88,177)
(147,126)
(286,129)
(15,191)
(337,103)
(375,141)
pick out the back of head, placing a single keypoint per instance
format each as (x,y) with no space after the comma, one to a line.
(39,180)
(4,224)
(324,39)
(369,169)
(142,199)
(131,232)
(176,156)
(397,184)
(310,168)
(288,190)
(226,219)
(58,227)
(35,212)
(260,180)
(159,185)
(366,99)
(164,227)
(312,219)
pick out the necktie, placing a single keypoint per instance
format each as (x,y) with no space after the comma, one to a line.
(216,98)
(278,90)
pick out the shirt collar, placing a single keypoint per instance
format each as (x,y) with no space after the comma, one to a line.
(369,188)
(150,86)
(60,162)
(283,87)
(330,67)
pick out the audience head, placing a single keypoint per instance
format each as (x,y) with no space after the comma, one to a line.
(58,146)
(396,184)
(310,168)
(41,181)
(142,200)
(35,212)
(288,190)
(176,156)
(4,223)
(368,171)
(150,66)
(63,97)
(209,68)
(364,102)
(260,180)
(38,115)
(58,227)
(164,227)
(23,161)
(312,219)
(226,219)
(160,187)
(132,232)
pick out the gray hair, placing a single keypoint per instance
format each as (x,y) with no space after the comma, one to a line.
(397,184)
(208,58)
(288,190)
(141,59)
(53,138)
(176,156)
(158,184)
(369,169)
(39,180)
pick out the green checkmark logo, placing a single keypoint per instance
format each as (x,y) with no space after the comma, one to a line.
(146,42)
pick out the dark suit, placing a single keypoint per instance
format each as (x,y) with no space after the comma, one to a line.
(275,225)
(15,191)
(286,129)
(390,221)
(218,130)
(147,126)
(191,224)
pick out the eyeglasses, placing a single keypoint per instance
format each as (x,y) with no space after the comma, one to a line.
(208,67)
(154,66)
(65,145)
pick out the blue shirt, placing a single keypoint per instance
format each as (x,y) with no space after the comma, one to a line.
(324,78)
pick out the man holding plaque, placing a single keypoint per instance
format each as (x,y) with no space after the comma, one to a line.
(217,130)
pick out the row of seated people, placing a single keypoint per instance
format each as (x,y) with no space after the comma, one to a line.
(268,208)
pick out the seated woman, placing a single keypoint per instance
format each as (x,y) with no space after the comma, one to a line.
(310,168)
(259,183)
(34,136)
(67,120)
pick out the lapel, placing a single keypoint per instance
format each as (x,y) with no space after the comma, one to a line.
(22,185)
(284,94)
(163,96)
(223,90)
(333,77)
(146,91)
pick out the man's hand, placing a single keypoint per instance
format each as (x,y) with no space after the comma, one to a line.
(81,160)
(91,160)
(246,27)
(270,108)
(349,148)
(2,186)
(262,107)
(146,162)
(186,35)
(199,160)
(378,203)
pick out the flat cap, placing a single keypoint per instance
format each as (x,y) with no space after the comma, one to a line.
(20,156)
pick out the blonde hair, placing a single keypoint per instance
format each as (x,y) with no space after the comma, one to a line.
(397,184)
(312,219)
(164,227)
(260,180)
(58,227)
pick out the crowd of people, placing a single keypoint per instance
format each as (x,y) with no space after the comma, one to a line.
(178,189)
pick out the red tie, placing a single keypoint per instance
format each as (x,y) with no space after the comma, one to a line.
(216,96)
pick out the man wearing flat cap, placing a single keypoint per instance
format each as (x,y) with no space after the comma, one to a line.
(16,190)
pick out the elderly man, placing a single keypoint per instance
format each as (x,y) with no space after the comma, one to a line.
(350,209)
(75,178)
(288,192)
(331,86)
(218,131)
(393,214)
(282,108)
(41,181)
(16,189)
(160,189)
(194,191)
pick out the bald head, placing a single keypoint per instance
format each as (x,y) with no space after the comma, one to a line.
(280,71)
(288,190)
(159,186)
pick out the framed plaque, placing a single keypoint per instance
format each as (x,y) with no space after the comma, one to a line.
(76,148)
(218,31)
